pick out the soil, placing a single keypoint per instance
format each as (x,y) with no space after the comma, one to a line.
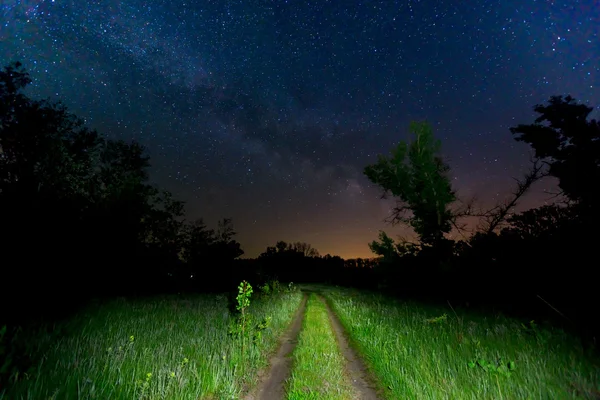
(272,382)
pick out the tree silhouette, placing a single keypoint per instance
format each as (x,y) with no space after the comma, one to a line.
(281,247)
(43,148)
(416,174)
(306,249)
(569,143)
(74,204)
(208,253)
(297,249)
(496,217)
(392,251)
(225,246)
(197,239)
(545,222)
(297,262)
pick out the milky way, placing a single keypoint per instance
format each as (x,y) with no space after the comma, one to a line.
(268,111)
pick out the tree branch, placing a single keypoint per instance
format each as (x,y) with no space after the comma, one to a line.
(497,215)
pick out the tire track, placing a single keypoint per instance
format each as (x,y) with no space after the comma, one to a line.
(271,385)
(356,369)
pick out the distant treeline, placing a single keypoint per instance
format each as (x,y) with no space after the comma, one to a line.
(79,220)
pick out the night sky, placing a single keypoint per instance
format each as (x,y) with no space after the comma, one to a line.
(268,111)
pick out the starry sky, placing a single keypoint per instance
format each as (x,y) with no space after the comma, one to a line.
(268,111)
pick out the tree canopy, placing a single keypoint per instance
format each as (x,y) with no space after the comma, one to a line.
(564,137)
(416,174)
(85,204)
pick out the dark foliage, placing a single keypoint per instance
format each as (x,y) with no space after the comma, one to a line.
(417,176)
(569,143)
(536,264)
(80,220)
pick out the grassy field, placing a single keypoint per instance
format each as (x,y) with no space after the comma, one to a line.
(179,347)
(418,352)
(165,348)
(318,365)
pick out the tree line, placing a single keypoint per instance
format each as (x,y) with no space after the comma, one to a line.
(81,220)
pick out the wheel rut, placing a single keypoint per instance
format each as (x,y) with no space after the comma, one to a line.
(272,381)
(355,367)
(271,384)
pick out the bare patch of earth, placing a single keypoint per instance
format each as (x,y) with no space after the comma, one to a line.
(271,384)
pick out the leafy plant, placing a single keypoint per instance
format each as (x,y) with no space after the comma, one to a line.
(499,367)
(265,289)
(260,327)
(144,385)
(241,328)
(542,336)
(437,320)
(117,354)
(275,286)
(244,328)
(243,302)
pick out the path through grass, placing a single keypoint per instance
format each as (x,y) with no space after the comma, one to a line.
(418,352)
(167,348)
(318,370)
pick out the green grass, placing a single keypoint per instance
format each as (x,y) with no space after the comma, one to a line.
(318,365)
(166,348)
(420,352)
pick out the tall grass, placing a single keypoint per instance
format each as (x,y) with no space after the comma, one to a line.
(166,348)
(318,364)
(421,352)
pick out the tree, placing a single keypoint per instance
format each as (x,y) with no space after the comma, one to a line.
(496,216)
(546,222)
(391,251)
(297,262)
(209,253)
(569,143)
(44,150)
(72,200)
(225,246)
(279,249)
(298,249)
(162,240)
(416,174)
(306,249)
(197,239)
(282,247)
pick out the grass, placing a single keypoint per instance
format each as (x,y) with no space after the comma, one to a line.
(179,348)
(420,352)
(165,348)
(318,365)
